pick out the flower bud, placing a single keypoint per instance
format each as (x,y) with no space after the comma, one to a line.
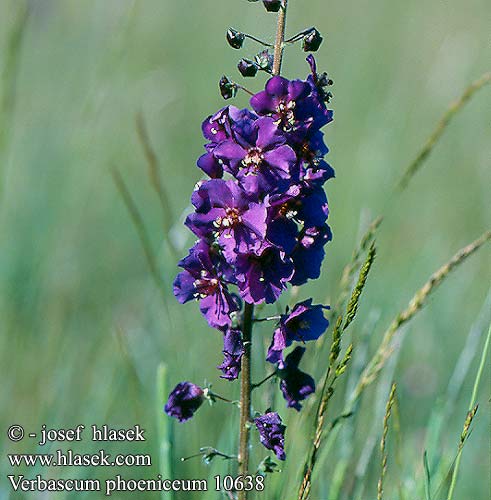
(235,38)
(272,5)
(228,88)
(247,68)
(264,60)
(312,41)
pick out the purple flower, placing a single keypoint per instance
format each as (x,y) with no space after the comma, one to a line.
(303,323)
(303,203)
(295,384)
(311,151)
(184,400)
(263,277)
(258,158)
(233,349)
(224,209)
(309,253)
(272,433)
(294,105)
(221,126)
(319,82)
(203,279)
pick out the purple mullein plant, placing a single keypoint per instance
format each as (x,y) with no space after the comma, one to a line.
(261,223)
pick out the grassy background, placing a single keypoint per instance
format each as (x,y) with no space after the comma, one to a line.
(83,327)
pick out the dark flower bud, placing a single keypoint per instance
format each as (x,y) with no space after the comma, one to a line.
(235,38)
(228,88)
(265,60)
(184,400)
(272,5)
(247,68)
(312,41)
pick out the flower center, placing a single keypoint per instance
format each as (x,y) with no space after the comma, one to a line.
(290,209)
(205,286)
(253,160)
(286,115)
(231,219)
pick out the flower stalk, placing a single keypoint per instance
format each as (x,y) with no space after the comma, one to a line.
(245,393)
(246,385)
(279,44)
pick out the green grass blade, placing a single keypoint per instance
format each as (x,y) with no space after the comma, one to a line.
(427,476)
(454,108)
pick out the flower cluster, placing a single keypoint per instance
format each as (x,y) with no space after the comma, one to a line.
(261,218)
(261,223)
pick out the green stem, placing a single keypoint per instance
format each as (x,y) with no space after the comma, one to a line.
(471,406)
(245,394)
(265,379)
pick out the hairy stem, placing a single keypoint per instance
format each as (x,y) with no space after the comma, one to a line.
(279,44)
(245,394)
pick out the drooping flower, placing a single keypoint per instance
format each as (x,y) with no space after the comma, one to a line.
(184,400)
(233,350)
(203,279)
(272,433)
(295,384)
(303,323)
(224,209)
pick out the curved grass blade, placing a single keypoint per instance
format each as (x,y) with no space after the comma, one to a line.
(430,143)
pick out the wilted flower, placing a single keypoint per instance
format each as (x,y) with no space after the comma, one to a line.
(272,433)
(184,400)
(233,349)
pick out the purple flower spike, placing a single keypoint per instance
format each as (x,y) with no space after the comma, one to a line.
(272,433)
(184,400)
(303,323)
(233,349)
(203,279)
(295,384)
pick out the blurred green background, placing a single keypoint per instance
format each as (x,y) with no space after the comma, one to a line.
(83,325)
